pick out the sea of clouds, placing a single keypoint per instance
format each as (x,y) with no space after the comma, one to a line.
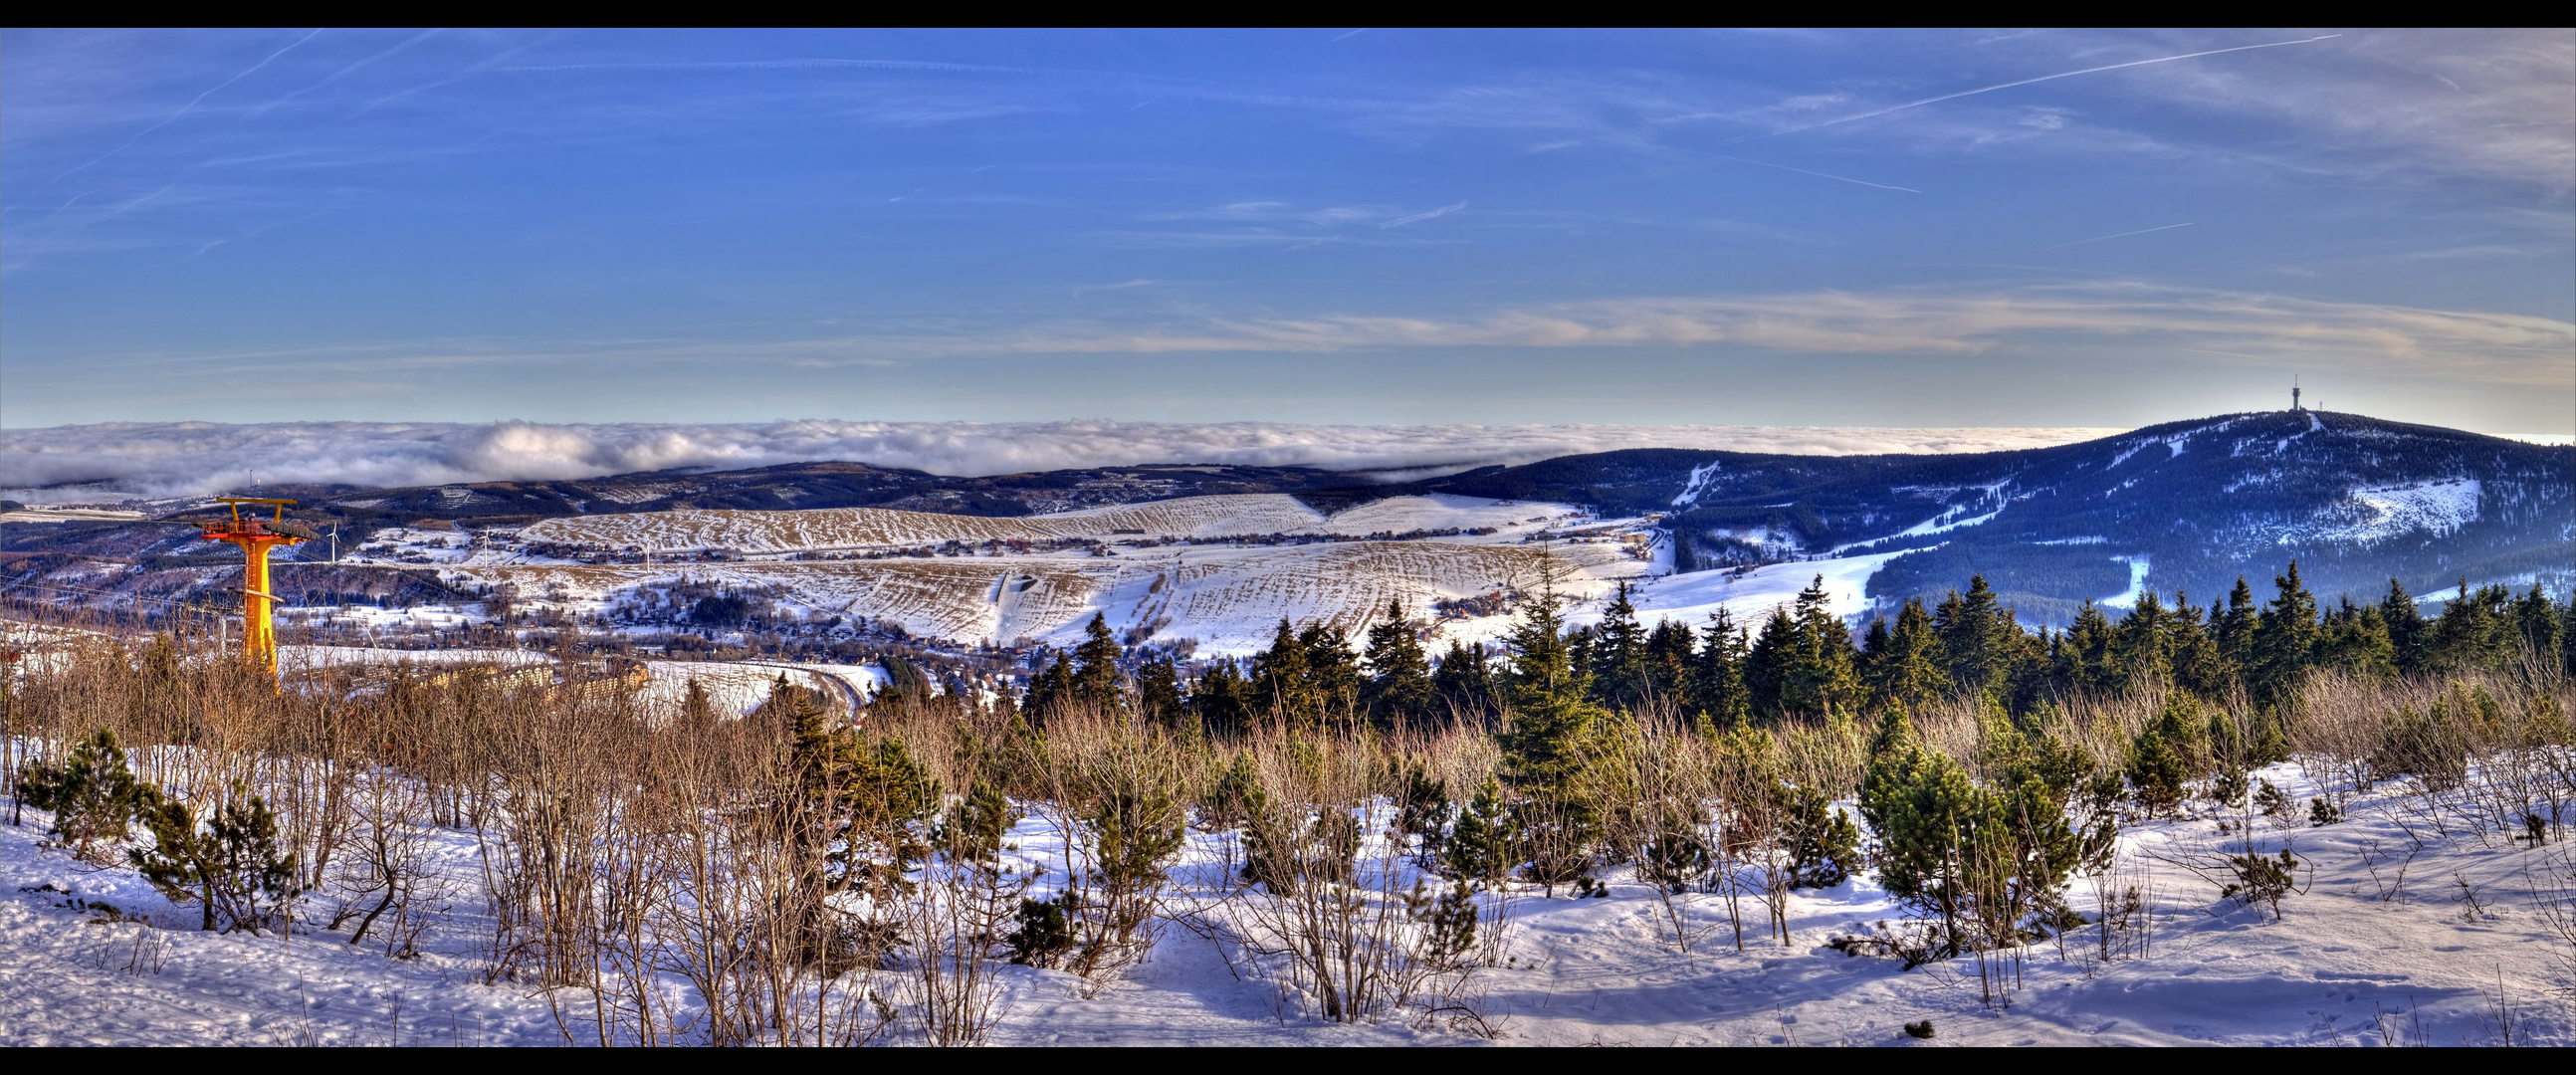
(120,460)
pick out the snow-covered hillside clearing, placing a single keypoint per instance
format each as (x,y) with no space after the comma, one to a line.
(1222,570)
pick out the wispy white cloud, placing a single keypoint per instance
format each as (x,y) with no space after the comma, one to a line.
(199,458)
(1428,214)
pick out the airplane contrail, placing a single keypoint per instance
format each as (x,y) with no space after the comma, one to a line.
(183,109)
(2028,81)
(2122,235)
(1800,171)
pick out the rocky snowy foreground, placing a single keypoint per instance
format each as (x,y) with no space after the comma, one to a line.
(2451,944)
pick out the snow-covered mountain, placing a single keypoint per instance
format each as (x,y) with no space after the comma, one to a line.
(2356,500)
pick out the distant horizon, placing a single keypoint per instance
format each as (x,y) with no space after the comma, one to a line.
(148,460)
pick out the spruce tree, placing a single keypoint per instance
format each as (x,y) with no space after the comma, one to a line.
(1158,692)
(1620,674)
(1977,637)
(1818,678)
(1463,682)
(2536,621)
(2139,649)
(2237,629)
(2083,653)
(1222,699)
(2285,637)
(1095,682)
(1913,670)
(1670,650)
(1399,686)
(1548,747)
(1718,691)
(2405,622)
(1282,687)
(1766,665)
(1049,689)
(1332,669)
(1874,644)
(2198,665)
(2355,638)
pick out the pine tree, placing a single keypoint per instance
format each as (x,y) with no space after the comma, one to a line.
(1921,806)
(1484,845)
(1399,688)
(234,867)
(1822,843)
(93,793)
(1095,682)
(2167,754)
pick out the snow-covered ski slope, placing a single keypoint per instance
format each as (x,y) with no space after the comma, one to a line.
(2348,963)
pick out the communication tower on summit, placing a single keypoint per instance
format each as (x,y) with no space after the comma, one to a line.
(2294,394)
(257,536)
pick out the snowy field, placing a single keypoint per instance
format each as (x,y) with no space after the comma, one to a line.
(2457,952)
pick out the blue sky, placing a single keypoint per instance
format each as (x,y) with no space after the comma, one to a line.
(2010,227)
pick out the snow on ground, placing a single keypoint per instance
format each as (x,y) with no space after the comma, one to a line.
(2352,961)
(694,529)
(1228,594)
(2383,512)
(737,687)
(43,514)
(1441,511)
(1229,598)
(2128,598)
(1750,596)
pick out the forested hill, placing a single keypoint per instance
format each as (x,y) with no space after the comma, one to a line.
(2356,500)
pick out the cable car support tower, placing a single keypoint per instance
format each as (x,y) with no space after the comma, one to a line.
(257,536)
